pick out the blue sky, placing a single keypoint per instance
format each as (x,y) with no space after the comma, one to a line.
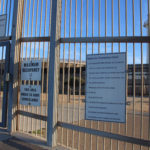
(109,26)
(43,22)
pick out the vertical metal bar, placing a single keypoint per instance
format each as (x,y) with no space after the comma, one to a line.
(45,18)
(44,60)
(112,19)
(149,65)
(29,56)
(24,16)
(5,90)
(39,57)
(105,53)
(1,73)
(50,18)
(64,69)
(48,58)
(91,122)
(85,146)
(126,32)
(32,19)
(36,30)
(99,14)
(32,108)
(141,126)
(3,6)
(3,46)
(112,32)
(74,73)
(92,25)
(63,79)
(133,127)
(1,119)
(28,18)
(36,122)
(20,23)
(43,66)
(99,19)
(68,118)
(25,118)
(119,52)
(79,101)
(17,59)
(6,6)
(12,53)
(105,24)
(21,60)
(9,16)
(119,20)
(40,27)
(52,92)
(0,5)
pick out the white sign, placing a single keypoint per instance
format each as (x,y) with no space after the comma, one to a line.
(30,95)
(31,70)
(3,20)
(106,87)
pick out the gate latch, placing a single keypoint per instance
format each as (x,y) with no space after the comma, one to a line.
(7,77)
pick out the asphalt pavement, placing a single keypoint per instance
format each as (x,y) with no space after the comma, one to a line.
(19,141)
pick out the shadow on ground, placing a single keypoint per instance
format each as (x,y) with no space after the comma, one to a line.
(15,144)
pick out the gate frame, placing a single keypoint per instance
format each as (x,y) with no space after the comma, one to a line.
(53,78)
(6,83)
(55,41)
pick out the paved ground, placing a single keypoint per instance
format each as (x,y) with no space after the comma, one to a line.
(140,126)
(21,142)
(14,143)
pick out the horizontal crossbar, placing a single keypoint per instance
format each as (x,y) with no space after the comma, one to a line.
(32,115)
(122,39)
(3,39)
(105,134)
(35,39)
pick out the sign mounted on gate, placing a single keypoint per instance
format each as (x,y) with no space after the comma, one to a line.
(106,87)
(30,95)
(3,20)
(31,70)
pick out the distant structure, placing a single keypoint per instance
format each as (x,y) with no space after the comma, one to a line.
(146,25)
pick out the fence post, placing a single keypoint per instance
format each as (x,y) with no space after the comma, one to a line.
(14,61)
(53,73)
(12,54)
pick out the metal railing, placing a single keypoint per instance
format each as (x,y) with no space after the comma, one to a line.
(87,27)
(95,27)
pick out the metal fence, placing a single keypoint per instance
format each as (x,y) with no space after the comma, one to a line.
(36,23)
(87,27)
(95,27)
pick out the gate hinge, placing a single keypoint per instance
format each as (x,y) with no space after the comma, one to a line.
(7,77)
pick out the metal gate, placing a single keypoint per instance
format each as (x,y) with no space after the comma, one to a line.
(101,27)
(61,33)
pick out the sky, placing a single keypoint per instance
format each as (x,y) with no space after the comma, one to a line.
(42,17)
(109,25)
